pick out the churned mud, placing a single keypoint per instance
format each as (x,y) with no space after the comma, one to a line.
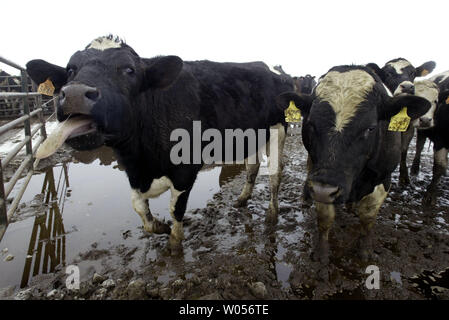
(228,253)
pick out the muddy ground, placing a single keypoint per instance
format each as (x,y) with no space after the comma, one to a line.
(231,253)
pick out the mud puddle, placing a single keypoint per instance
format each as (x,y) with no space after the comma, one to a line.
(228,253)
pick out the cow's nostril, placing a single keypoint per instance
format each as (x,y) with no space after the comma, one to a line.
(92,94)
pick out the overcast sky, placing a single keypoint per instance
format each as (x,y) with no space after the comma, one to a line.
(303,36)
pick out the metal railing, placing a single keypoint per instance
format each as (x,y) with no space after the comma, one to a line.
(28,162)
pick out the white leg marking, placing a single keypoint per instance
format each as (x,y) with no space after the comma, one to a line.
(369,205)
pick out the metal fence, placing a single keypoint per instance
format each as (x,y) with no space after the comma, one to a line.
(28,163)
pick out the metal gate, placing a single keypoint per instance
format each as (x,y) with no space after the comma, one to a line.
(28,99)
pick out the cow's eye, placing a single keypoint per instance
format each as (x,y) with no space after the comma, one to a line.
(70,72)
(368,132)
(129,70)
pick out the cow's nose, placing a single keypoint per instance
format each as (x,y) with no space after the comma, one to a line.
(78,98)
(425,122)
(323,192)
(407,88)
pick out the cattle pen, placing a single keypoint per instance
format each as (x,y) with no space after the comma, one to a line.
(31,106)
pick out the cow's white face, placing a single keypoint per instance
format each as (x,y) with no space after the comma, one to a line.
(428,90)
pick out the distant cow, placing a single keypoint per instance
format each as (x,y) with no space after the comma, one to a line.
(399,76)
(352,154)
(428,90)
(304,84)
(439,135)
(137,103)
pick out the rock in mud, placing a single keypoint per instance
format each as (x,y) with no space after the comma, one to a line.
(53,294)
(108,284)
(136,290)
(440,292)
(258,289)
(100,294)
(98,278)
(24,295)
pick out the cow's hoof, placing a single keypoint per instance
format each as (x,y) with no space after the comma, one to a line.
(160,227)
(363,248)
(429,199)
(272,215)
(240,203)
(175,246)
(414,170)
(404,181)
(364,255)
(321,253)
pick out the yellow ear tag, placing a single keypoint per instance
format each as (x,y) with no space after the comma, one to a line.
(447,100)
(400,121)
(292,113)
(46,88)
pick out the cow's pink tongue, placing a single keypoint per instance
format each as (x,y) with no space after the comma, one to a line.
(64,130)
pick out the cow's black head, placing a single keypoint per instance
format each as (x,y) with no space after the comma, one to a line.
(103,83)
(399,74)
(305,84)
(344,123)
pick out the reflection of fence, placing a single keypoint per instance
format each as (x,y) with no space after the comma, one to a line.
(47,242)
(26,167)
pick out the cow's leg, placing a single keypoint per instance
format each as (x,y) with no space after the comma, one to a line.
(325,219)
(439,169)
(367,210)
(178,204)
(420,141)
(406,137)
(306,194)
(150,224)
(275,151)
(251,175)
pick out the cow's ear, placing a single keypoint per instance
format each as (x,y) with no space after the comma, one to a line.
(303,102)
(377,70)
(161,72)
(41,71)
(426,68)
(416,106)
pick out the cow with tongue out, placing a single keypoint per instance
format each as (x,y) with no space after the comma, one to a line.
(134,104)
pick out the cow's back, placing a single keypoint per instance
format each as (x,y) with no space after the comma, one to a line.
(228,95)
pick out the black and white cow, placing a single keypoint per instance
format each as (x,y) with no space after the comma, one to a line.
(352,154)
(136,103)
(399,76)
(428,90)
(438,133)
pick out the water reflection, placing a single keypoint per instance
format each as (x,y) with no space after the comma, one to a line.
(51,246)
(47,245)
(229,172)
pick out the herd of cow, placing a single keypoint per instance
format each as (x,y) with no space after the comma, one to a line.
(133,104)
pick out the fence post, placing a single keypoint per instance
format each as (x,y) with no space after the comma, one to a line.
(3,213)
(26,110)
(41,117)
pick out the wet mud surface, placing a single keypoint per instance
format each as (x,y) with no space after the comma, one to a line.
(228,253)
